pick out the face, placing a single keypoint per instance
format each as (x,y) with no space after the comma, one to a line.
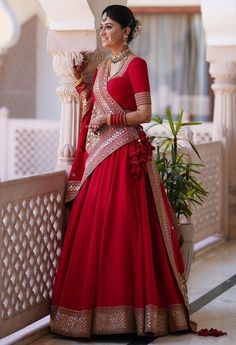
(111,33)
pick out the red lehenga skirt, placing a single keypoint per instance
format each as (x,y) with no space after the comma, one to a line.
(114,274)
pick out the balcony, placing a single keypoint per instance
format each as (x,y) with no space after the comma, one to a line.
(32,219)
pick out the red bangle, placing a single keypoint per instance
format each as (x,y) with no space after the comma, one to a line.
(118,119)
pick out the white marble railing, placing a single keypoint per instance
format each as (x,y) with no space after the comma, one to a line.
(30,146)
(27,146)
(31,226)
(208,218)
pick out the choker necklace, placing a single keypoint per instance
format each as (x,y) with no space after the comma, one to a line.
(120,56)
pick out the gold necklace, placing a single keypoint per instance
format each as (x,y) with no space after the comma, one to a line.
(120,56)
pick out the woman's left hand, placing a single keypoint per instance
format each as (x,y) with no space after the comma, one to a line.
(97,122)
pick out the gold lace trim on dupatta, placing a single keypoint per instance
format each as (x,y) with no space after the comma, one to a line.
(165,227)
(109,138)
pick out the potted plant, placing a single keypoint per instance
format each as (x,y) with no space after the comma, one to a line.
(179,175)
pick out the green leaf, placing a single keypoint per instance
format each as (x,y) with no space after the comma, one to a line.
(170,120)
(179,122)
(193,123)
(158,119)
(195,150)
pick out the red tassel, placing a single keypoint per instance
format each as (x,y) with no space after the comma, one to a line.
(213,332)
(141,155)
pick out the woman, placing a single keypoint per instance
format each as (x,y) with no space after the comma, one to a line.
(121,269)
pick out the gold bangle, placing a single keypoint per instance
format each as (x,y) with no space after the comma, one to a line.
(109,119)
(78,82)
(124,119)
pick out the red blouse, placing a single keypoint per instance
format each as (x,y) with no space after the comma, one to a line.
(130,86)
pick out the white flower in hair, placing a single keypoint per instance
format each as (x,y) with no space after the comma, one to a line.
(138,27)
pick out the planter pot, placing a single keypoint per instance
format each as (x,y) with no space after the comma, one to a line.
(187,247)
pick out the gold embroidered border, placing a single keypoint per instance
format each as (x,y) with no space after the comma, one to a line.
(72,190)
(109,138)
(121,319)
(143,98)
(165,226)
(123,68)
(85,101)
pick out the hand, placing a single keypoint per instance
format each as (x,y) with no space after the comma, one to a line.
(97,122)
(80,67)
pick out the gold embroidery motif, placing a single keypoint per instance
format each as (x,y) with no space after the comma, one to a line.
(143,98)
(121,319)
(114,320)
(85,101)
(109,138)
(70,323)
(72,190)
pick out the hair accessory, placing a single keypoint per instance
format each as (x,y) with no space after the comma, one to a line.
(138,27)
(104,17)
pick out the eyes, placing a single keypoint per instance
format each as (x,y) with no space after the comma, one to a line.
(105,27)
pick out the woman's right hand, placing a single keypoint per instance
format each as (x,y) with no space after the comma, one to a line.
(78,68)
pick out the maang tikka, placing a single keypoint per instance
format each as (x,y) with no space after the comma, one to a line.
(104,17)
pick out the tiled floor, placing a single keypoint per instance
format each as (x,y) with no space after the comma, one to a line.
(207,272)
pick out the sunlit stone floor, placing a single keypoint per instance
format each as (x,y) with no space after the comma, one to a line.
(208,271)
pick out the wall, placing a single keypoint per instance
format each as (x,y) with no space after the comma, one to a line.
(47,101)
(23,9)
(30,56)
(164,2)
(18,74)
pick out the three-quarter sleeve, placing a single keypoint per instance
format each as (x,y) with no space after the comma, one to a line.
(138,75)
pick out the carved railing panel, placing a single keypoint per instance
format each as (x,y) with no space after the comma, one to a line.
(29,147)
(208,218)
(31,226)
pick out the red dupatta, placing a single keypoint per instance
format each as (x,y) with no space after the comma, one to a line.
(93,148)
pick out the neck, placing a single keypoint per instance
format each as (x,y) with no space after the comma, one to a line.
(118,50)
(120,55)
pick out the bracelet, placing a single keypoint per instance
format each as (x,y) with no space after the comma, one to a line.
(78,82)
(124,119)
(109,119)
(118,119)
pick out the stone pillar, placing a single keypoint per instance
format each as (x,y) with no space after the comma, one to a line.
(220,28)
(70,105)
(72,26)
(69,127)
(223,70)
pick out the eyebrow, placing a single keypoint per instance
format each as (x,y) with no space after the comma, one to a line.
(106,23)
